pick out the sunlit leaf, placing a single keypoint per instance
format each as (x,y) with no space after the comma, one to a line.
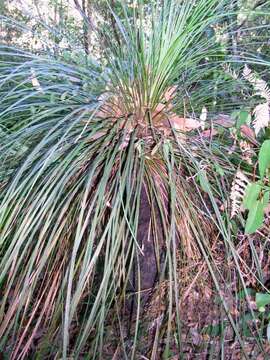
(264,158)
(255,217)
(251,195)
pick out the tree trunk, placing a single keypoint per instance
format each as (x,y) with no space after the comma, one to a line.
(85,30)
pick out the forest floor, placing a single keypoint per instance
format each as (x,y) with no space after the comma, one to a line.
(206,332)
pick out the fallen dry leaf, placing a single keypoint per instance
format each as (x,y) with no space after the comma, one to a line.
(224,120)
(184,124)
(248,133)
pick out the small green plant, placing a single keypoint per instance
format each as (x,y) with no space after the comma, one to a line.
(262,300)
(256,198)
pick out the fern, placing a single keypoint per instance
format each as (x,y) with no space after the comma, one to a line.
(261,117)
(247,151)
(239,186)
(260,86)
(261,112)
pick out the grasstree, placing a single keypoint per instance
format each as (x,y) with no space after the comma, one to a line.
(109,182)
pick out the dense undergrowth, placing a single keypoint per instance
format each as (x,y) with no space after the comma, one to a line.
(121,234)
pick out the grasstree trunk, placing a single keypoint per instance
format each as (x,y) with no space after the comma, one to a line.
(147,267)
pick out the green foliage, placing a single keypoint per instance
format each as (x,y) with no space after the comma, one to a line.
(256,197)
(252,193)
(262,299)
(242,117)
(264,158)
(255,217)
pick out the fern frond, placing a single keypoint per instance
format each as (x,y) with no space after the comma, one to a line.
(261,112)
(260,86)
(238,188)
(261,117)
(247,151)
